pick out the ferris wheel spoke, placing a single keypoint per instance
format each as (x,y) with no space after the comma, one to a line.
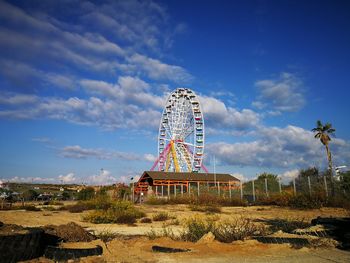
(186,143)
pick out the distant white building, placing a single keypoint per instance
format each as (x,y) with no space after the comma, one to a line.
(2,184)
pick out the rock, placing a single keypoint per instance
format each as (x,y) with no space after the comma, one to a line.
(207,238)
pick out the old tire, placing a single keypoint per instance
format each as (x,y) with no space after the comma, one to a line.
(63,254)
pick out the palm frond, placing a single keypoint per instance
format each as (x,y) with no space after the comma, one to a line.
(319,124)
(331,130)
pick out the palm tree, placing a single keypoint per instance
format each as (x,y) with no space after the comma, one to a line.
(323,133)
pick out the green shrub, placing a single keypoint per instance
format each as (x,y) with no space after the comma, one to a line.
(307,202)
(86,193)
(31,208)
(196,228)
(49,208)
(206,209)
(238,229)
(162,216)
(53,202)
(145,220)
(106,235)
(203,199)
(282,199)
(152,200)
(121,212)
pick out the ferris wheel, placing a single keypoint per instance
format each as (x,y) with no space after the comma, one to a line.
(181,133)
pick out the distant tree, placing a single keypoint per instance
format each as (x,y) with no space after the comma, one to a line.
(312,171)
(66,195)
(86,193)
(259,184)
(302,180)
(345,181)
(30,195)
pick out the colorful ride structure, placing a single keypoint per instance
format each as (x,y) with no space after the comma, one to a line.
(181,134)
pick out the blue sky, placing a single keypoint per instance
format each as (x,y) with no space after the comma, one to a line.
(83,84)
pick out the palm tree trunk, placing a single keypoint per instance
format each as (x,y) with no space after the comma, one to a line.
(330,168)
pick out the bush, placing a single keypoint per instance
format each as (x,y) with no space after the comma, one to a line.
(282,199)
(106,235)
(30,195)
(162,216)
(286,225)
(31,208)
(86,193)
(238,229)
(53,202)
(195,228)
(145,220)
(207,209)
(204,199)
(307,202)
(121,212)
(152,200)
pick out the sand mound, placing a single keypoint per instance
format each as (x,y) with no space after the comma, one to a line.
(70,232)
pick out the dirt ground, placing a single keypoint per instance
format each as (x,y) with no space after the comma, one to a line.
(138,248)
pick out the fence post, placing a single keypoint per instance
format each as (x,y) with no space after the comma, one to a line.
(253,190)
(325,185)
(169,190)
(309,183)
(175,190)
(133,193)
(198,187)
(241,189)
(219,188)
(294,188)
(162,190)
(157,191)
(279,184)
(189,188)
(266,191)
(182,189)
(229,187)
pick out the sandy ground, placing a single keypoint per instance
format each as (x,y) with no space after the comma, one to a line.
(138,249)
(42,218)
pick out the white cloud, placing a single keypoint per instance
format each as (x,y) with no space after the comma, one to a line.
(17,99)
(150,157)
(104,178)
(68,178)
(107,114)
(217,115)
(38,38)
(240,176)
(128,90)
(290,175)
(78,152)
(158,70)
(284,94)
(289,147)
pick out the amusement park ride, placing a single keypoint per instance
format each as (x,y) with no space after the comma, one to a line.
(180,150)
(181,134)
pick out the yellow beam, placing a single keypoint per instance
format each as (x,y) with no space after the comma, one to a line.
(173,151)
